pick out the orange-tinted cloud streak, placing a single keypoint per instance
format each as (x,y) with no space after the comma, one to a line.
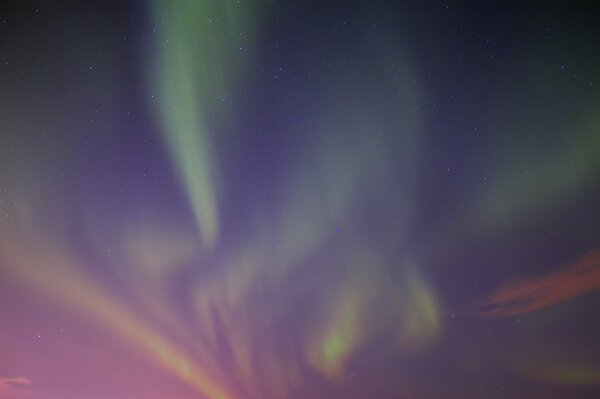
(16,387)
(575,279)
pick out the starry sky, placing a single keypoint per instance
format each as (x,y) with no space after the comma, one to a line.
(299,200)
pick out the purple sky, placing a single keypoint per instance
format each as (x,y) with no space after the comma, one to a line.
(299,200)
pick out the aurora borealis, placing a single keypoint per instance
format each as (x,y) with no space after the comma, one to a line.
(299,200)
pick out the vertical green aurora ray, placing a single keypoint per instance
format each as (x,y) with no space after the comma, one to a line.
(193,70)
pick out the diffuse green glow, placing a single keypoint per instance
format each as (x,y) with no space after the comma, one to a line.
(422,320)
(529,182)
(333,347)
(341,332)
(513,197)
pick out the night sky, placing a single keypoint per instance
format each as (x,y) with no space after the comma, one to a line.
(299,200)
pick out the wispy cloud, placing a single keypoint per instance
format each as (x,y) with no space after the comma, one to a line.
(573,280)
(16,387)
